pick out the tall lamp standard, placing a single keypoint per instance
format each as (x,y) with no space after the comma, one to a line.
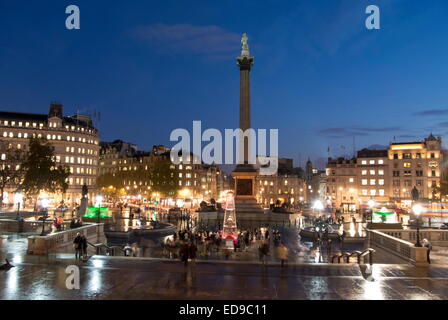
(418,209)
(371,203)
(18,197)
(318,205)
(99,200)
(44,203)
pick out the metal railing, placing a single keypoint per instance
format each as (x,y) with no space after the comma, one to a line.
(109,250)
(359,256)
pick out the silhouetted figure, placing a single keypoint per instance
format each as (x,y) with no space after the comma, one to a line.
(427,244)
(77,245)
(6,266)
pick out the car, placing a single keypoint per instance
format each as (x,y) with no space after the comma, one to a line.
(444,226)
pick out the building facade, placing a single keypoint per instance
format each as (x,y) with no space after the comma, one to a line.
(286,186)
(75,142)
(341,184)
(387,176)
(197,182)
(415,164)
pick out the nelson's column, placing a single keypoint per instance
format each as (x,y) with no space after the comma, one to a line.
(248,212)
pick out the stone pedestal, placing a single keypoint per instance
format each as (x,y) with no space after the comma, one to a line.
(83,207)
(244,177)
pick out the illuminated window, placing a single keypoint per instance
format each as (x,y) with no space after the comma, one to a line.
(407,164)
(381,172)
(364,182)
(364,172)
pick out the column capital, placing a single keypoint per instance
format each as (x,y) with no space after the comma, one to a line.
(245,63)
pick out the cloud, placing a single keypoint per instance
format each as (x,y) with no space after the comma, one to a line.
(342,132)
(443,124)
(432,112)
(187,38)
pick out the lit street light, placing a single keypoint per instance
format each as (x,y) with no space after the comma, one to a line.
(371,203)
(318,205)
(44,203)
(418,209)
(18,197)
(98,201)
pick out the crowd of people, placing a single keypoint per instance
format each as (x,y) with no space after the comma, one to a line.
(186,244)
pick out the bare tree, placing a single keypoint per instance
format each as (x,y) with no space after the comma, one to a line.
(10,167)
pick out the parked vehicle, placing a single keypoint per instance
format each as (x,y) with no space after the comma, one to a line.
(444,226)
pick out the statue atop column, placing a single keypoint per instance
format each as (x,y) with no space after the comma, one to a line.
(245,46)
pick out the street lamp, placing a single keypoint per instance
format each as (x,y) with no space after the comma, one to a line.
(98,201)
(371,203)
(418,209)
(44,204)
(318,205)
(18,197)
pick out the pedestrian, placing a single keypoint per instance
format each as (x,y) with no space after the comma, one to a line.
(192,251)
(127,250)
(282,253)
(427,244)
(77,245)
(84,246)
(183,253)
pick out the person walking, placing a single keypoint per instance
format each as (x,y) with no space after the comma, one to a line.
(428,245)
(183,253)
(192,251)
(282,254)
(77,245)
(84,246)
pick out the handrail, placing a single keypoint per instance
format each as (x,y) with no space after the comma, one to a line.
(109,249)
(358,254)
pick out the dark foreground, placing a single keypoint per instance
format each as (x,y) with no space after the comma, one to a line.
(130,278)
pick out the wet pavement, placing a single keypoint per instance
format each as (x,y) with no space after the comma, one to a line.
(44,277)
(135,278)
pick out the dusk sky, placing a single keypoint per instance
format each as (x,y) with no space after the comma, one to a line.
(149,67)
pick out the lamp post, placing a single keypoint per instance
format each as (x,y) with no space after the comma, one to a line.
(18,197)
(418,209)
(371,204)
(44,203)
(318,205)
(99,200)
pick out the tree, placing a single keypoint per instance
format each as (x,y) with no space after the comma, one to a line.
(164,178)
(111,184)
(441,191)
(10,168)
(41,170)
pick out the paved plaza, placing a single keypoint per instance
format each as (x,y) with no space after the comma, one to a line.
(43,278)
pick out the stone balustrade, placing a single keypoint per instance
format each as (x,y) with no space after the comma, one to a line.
(405,250)
(14,226)
(435,236)
(63,241)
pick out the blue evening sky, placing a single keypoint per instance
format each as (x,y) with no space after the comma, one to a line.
(149,67)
